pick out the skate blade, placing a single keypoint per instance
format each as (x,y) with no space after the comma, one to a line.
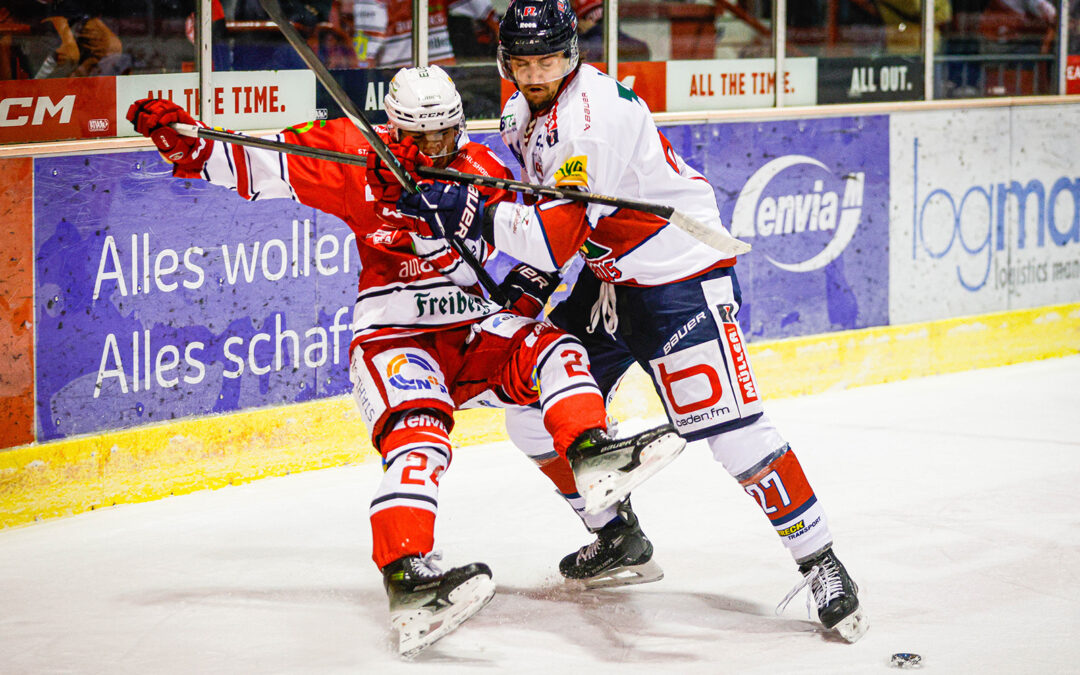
(630,575)
(419,629)
(605,488)
(853,626)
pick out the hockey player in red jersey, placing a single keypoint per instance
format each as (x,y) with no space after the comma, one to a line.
(650,293)
(425,341)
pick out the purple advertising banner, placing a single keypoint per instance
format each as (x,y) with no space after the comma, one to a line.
(812,197)
(160,298)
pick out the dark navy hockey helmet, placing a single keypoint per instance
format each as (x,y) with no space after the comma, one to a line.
(537,27)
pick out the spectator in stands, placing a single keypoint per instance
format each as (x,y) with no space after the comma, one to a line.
(384,28)
(87,45)
(591,35)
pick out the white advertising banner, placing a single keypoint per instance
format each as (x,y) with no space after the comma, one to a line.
(984,211)
(254,99)
(738,83)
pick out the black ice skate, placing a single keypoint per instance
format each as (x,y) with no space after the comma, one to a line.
(620,556)
(835,594)
(607,469)
(427,603)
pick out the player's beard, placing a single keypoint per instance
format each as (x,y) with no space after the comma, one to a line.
(540,96)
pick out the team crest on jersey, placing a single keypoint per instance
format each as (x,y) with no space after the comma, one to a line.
(573,172)
(599,260)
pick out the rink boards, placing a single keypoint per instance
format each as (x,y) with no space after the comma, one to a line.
(166,336)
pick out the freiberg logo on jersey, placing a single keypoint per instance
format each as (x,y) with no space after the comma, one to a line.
(574,171)
(398,377)
(804,212)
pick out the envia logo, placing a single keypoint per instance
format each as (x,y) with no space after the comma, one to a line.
(811,213)
(1032,217)
(398,373)
(812,196)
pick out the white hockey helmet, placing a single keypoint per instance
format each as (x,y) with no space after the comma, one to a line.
(423,99)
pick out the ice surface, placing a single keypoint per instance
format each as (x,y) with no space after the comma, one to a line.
(953,501)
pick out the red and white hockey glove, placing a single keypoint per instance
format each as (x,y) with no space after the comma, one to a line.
(152,117)
(528,289)
(384,185)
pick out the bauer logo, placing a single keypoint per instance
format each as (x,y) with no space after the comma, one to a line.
(811,211)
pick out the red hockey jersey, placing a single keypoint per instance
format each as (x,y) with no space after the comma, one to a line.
(400,293)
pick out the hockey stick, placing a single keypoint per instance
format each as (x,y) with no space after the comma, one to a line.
(713,238)
(300,46)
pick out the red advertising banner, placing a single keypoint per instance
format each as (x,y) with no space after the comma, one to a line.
(16,303)
(60,109)
(1072,74)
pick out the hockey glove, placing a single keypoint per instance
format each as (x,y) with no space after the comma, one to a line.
(528,289)
(447,208)
(384,184)
(152,117)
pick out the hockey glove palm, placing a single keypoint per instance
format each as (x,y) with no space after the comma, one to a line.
(384,184)
(152,117)
(447,208)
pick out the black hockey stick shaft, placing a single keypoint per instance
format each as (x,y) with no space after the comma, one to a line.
(711,236)
(322,74)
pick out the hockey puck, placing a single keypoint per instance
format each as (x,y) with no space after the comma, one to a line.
(905,660)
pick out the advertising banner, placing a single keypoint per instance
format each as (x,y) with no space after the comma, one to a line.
(256,99)
(870,79)
(16,304)
(60,109)
(160,298)
(985,211)
(738,83)
(812,198)
(1072,74)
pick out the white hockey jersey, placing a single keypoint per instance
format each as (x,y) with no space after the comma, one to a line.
(599,136)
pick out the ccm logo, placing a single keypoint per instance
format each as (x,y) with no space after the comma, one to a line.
(20,111)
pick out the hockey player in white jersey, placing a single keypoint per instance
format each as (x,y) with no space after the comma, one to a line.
(650,293)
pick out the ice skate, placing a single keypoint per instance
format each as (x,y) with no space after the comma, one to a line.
(620,556)
(426,603)
(834,593)
(607,469)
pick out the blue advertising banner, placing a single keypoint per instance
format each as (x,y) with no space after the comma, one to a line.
(160,298)
(812,197)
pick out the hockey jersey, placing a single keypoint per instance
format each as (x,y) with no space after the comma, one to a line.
(400,293)
(600,137)
(384,33)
